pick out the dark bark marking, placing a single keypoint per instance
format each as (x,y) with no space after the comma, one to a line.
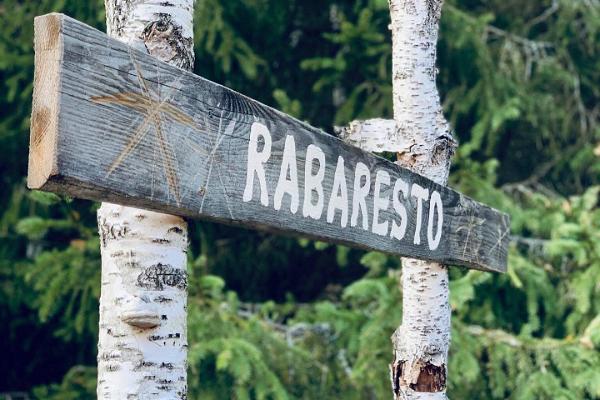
(162,299)
(103,227)
(112,367)
(176,230)
(143,364)
(154,338)
(111,231)
(158,276)
(433,14)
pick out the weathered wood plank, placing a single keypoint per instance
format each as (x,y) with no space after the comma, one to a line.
(129,129)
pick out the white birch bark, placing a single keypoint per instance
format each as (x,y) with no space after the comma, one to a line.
(422,140)
(421,342)
(142,346)
(376,135)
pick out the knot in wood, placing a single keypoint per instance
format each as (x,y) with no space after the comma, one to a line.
(164,40)
(443,149)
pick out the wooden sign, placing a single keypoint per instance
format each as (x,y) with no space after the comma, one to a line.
(111,123)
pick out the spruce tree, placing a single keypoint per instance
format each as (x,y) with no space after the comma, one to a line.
(298,319)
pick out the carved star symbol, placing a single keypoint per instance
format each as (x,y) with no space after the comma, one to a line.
(154,111)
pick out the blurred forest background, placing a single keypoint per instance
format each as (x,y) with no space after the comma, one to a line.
(280,318)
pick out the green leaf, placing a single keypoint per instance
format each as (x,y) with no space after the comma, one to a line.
(45,198)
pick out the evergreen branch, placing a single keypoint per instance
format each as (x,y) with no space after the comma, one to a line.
(533,246)
(293,332)
(501,336)
(533,45)
(547,13)
(494,30)
(527,188)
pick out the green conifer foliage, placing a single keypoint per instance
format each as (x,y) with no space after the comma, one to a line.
(281,318)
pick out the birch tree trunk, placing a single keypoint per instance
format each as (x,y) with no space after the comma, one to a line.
(418,370)
(142,346)
(421,137)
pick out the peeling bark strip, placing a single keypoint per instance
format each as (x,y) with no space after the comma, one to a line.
(418,370)
(197,149)
(142,346)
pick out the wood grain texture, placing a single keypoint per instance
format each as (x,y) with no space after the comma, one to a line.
(135,131)
(46,106)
